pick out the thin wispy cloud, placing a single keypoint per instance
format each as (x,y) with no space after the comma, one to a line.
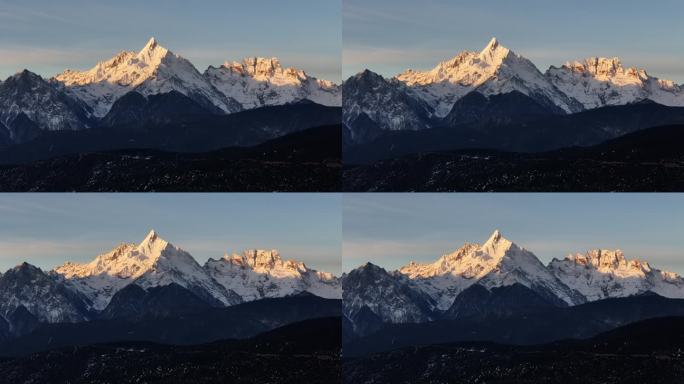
(388,36)
(21,13)
(49,229)
(389,254)
(391,230)
(46,36)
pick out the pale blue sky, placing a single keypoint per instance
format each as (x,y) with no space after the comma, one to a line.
(50,36)
(392,229)
(389,36)
(48,229)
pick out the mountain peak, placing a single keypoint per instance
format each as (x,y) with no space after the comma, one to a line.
(152,53)
(153,241)
(368,76)
(494,53)
(151,236)
(24,266)
(495,236)
(492,45)
(370,266)
(25,76)
(496,241)
(151,44)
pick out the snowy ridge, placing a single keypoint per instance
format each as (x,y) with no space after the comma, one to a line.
(498,262)
(598,81)
(257,274)
(258,82)
(100,279)
(601,274)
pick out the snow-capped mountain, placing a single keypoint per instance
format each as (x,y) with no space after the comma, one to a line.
(414,100)
(498,262)
(75,100)
(598,81)
(46,299)
(258,82)
(115,282)
(494,70)
(151,71)
(387,295)
(499,272)
(600,274)
(154,262)
(257,274)
(27,95)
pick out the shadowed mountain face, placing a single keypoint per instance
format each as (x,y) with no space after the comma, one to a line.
(42,104)
(136,110)
(5,138)
(477,301)
(135,303)
(512,107)
(26,288)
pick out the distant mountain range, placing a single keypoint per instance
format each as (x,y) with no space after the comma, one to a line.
(76,100)
(150,279)
(416,100)
(499,279)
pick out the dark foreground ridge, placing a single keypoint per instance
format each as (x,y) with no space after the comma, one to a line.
(304,352)
(182,325)
(646,352)
(650,160)
(303,161)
